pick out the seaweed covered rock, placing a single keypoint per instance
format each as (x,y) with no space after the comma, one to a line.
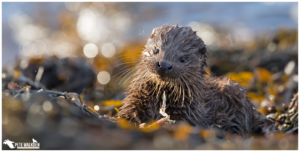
(68,74)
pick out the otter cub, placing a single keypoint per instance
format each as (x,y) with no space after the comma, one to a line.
(174,62)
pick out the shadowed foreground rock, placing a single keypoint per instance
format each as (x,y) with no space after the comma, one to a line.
(56,123)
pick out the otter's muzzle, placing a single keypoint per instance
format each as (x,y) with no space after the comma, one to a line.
(163,67)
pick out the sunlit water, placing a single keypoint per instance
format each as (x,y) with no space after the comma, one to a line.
(139,19)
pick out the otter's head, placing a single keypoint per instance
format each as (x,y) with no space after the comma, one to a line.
(174,52)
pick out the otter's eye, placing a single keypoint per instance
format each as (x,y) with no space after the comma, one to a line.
(182,59)
(156,51)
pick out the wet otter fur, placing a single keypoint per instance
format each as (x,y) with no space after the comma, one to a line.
(174,61)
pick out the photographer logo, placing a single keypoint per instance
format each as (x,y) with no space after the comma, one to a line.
(19,145)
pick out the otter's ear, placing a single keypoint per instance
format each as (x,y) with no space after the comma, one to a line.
(203,49)
(153,31)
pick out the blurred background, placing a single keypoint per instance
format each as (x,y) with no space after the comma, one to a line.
(92,48)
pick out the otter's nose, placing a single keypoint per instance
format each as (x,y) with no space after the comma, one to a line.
(163,67)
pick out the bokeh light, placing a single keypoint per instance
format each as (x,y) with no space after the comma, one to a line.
(96,107)
(204,31)
(63,50)
(289,68)
(35,116)
(294,12)
(14,126)
(72,6)
(47,106)
(103,77)
(91,26)
(108,50)
(24,64)
(90,50)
